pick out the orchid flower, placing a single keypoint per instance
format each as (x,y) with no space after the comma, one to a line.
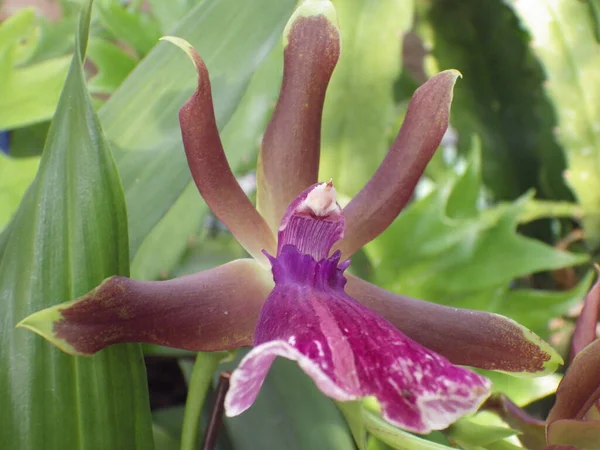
(353,338)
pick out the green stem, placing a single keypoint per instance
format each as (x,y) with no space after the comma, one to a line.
(200,381)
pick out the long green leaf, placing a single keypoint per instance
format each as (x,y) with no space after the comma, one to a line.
(69,233)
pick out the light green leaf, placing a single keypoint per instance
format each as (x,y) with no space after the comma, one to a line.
(15,177)
(469,435)
(395,437)
(69,233)
(522,391)
(359,107)
(136,28)
(29,94)
(19,31)
(113,65)
(563,37)
(169,13)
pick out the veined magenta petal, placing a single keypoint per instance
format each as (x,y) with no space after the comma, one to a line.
(466,337)
(587,322)
(313,222)
(381,200)
(210,169)
(349,351)
(209,311)
(289,158)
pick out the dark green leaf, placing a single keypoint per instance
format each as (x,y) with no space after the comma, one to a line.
(501,97)
(289,413)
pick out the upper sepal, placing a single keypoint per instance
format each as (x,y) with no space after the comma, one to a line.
(289,158)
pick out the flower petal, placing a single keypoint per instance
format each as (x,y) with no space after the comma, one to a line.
(587,322)
(289,158)
(209,311)
(466,337)
(381,200)
(580,387)
(350,352)
(582,435)
(210,168)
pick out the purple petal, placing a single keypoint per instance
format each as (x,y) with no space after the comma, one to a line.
(289,158)
(381,200)
(210,169)
(212,310)
(466,337)
(349,351)
(587,322)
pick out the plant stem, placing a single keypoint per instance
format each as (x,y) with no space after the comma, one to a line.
(204,368)
(214,423)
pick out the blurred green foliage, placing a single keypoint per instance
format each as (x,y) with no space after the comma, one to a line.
(525,149)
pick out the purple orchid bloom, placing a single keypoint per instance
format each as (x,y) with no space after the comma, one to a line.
(342,331)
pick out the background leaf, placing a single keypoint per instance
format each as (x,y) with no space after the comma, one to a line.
(465,255)
(358,117)
(69,233)
(563,37)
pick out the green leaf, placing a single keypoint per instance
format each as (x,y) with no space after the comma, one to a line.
(563,37)
(289,413)
(169,13)
(535,307)
(69,233)
(500,98)
(460,259)
(113,65)
(359,108)
(469,435)
(19,31)
(15,177)
(141,118)
(28,94)
(522,391)
(136,28)
(395,437)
